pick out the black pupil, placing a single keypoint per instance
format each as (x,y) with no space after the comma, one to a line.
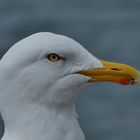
(54,57)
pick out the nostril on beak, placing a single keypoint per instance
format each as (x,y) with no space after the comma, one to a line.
(116,69)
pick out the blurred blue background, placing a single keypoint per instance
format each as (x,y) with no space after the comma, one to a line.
(110,29)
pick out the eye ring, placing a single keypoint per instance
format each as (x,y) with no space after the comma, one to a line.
(53,57)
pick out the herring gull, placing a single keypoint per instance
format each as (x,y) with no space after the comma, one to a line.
(40,78)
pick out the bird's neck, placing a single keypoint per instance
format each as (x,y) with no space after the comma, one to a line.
(38,122)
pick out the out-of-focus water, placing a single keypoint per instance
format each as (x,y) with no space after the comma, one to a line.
(110,30)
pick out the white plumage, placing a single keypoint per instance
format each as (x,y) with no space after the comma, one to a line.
(37,95)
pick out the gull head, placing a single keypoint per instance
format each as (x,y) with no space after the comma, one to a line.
(52,69)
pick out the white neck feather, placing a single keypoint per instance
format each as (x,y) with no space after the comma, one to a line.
(37,122)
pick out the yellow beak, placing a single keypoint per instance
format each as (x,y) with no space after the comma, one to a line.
(113,72)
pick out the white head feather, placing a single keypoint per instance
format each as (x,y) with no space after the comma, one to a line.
(30,84)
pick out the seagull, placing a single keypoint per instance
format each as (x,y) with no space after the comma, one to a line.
(41,77)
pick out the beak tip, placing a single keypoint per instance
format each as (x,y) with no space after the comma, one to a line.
(137,80)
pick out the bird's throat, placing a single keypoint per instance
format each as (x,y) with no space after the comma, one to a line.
(38,122)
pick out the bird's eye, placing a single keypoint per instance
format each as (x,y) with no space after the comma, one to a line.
(54,57)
